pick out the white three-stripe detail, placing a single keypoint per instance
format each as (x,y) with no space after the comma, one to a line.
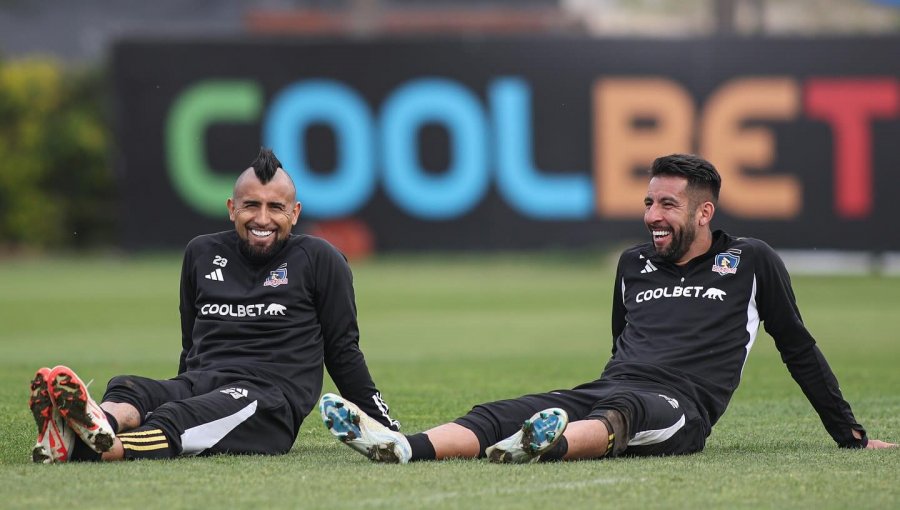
(216,276)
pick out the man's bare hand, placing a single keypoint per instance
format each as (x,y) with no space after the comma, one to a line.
(875,444)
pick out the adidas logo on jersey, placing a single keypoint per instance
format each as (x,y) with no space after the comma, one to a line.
(649,268)
(216,276)
(672,402)
(235,393)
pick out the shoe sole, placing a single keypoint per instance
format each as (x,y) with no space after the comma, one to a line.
(344,424)
(39,455)
(41,406)
(538,436)
(71,401)
(39,402)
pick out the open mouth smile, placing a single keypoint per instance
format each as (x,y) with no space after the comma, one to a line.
(660,234)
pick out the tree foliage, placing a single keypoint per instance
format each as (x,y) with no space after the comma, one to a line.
(55,178)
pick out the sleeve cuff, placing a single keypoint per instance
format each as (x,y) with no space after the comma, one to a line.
(857,443)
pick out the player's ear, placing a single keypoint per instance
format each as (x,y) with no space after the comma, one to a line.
(706,213)
(297,208)
(230,204)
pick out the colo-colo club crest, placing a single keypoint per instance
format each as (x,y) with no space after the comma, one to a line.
(726,263)
(277,277)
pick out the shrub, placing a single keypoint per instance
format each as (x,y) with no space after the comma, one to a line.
(55,184)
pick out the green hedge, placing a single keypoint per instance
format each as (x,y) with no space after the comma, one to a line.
(56,182)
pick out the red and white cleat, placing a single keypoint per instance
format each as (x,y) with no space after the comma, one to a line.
(54,439)
(71,398)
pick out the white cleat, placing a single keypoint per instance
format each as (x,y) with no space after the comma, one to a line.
(360,432)
(539,434)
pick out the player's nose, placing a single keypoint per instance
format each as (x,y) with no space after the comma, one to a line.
(262,216)
(652,214)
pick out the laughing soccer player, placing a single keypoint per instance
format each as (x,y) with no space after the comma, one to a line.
(687,307)
(261,309)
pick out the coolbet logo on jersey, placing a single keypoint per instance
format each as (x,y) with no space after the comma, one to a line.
(251,310)
(680,292)
(714,293)
(277,277)
(275,309)
(726,263)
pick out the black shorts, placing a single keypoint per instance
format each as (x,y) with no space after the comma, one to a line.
(660,421)
(205,413)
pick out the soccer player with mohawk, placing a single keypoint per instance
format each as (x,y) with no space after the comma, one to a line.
(261,308)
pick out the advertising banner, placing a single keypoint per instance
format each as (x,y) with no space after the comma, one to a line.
(483,143)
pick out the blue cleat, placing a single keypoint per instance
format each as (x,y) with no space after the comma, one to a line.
(538,435)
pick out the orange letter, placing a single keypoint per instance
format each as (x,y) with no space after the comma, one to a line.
(636,120)
(732,146)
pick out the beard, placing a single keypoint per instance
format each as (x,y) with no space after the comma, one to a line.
(260,255)
(681,243)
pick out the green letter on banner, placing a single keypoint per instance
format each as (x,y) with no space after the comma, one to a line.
(195,109)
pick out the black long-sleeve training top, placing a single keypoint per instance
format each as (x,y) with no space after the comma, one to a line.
(277,322)
(691,327)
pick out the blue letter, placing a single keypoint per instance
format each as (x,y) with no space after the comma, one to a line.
(519,182)
(332,103)
(465,182)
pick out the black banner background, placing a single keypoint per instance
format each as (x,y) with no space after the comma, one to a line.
(150,74)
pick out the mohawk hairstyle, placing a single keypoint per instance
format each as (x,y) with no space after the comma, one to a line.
(700,174)
(265,165)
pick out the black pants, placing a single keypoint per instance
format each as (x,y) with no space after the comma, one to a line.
(660,421)
(205,413)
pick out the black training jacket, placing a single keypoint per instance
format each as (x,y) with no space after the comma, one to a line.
(277,322)
(691,327)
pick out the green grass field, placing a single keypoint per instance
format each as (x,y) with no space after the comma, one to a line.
(443,333)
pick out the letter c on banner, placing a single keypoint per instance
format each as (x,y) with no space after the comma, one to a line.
(332,103)
(192,112)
